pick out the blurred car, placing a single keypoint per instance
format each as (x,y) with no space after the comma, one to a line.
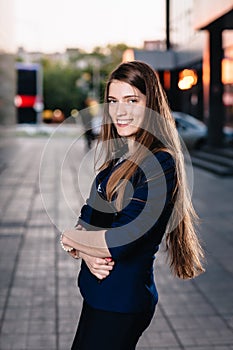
(192,131)
(228,135)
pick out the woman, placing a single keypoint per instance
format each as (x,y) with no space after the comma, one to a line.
(139,196)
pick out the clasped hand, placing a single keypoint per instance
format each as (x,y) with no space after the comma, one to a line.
(99,267)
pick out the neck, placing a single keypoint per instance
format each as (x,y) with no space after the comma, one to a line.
(131,144)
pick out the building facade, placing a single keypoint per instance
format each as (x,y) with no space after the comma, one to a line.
(196,67)
(215,20)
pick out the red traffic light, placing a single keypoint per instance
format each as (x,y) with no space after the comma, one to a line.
(25,101)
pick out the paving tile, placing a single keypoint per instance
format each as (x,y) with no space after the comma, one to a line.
(13,341)
(39,300)
(41,341)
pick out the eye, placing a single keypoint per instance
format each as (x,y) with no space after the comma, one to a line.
(111,101)
(132,100)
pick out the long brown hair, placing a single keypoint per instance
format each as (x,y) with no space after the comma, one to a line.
(157,133)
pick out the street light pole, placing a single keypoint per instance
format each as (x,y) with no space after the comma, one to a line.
(168,44)
(216,107)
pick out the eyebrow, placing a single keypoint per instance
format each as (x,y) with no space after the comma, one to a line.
(127,96)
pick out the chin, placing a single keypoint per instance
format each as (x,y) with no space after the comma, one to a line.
(126,133)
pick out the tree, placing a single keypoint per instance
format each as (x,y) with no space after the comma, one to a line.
(60,88)
(67,86)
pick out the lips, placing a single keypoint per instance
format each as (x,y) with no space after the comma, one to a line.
(124,122)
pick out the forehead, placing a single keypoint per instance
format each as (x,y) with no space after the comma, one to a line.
(120,88)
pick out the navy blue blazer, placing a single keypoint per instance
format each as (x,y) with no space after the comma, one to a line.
(133,235)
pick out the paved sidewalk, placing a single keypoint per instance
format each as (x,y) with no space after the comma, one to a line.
(39,300)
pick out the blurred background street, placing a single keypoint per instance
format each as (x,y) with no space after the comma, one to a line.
(40,303)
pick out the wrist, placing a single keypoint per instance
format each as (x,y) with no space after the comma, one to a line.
(80,254)
(64,247)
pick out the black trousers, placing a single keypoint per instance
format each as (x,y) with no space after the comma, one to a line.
(104,330)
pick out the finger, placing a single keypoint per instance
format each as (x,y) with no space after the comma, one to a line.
(98,267)
(100,270)
(100,274)
(100,277)
(73,253)
(108,260)
(81,228)
(104,261)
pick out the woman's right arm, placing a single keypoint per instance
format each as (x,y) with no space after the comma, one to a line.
(99,267)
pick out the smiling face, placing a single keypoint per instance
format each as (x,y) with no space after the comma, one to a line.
(126,107)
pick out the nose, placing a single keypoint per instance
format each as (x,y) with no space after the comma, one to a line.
(121,109)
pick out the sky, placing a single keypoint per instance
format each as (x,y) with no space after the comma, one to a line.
(53,25)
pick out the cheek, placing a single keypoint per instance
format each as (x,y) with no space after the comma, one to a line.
(112,113)
(139,118)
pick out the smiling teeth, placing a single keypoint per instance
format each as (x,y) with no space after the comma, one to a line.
(124,122)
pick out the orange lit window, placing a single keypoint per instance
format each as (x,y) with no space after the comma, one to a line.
(187,79)
(227,71)
(167,79)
